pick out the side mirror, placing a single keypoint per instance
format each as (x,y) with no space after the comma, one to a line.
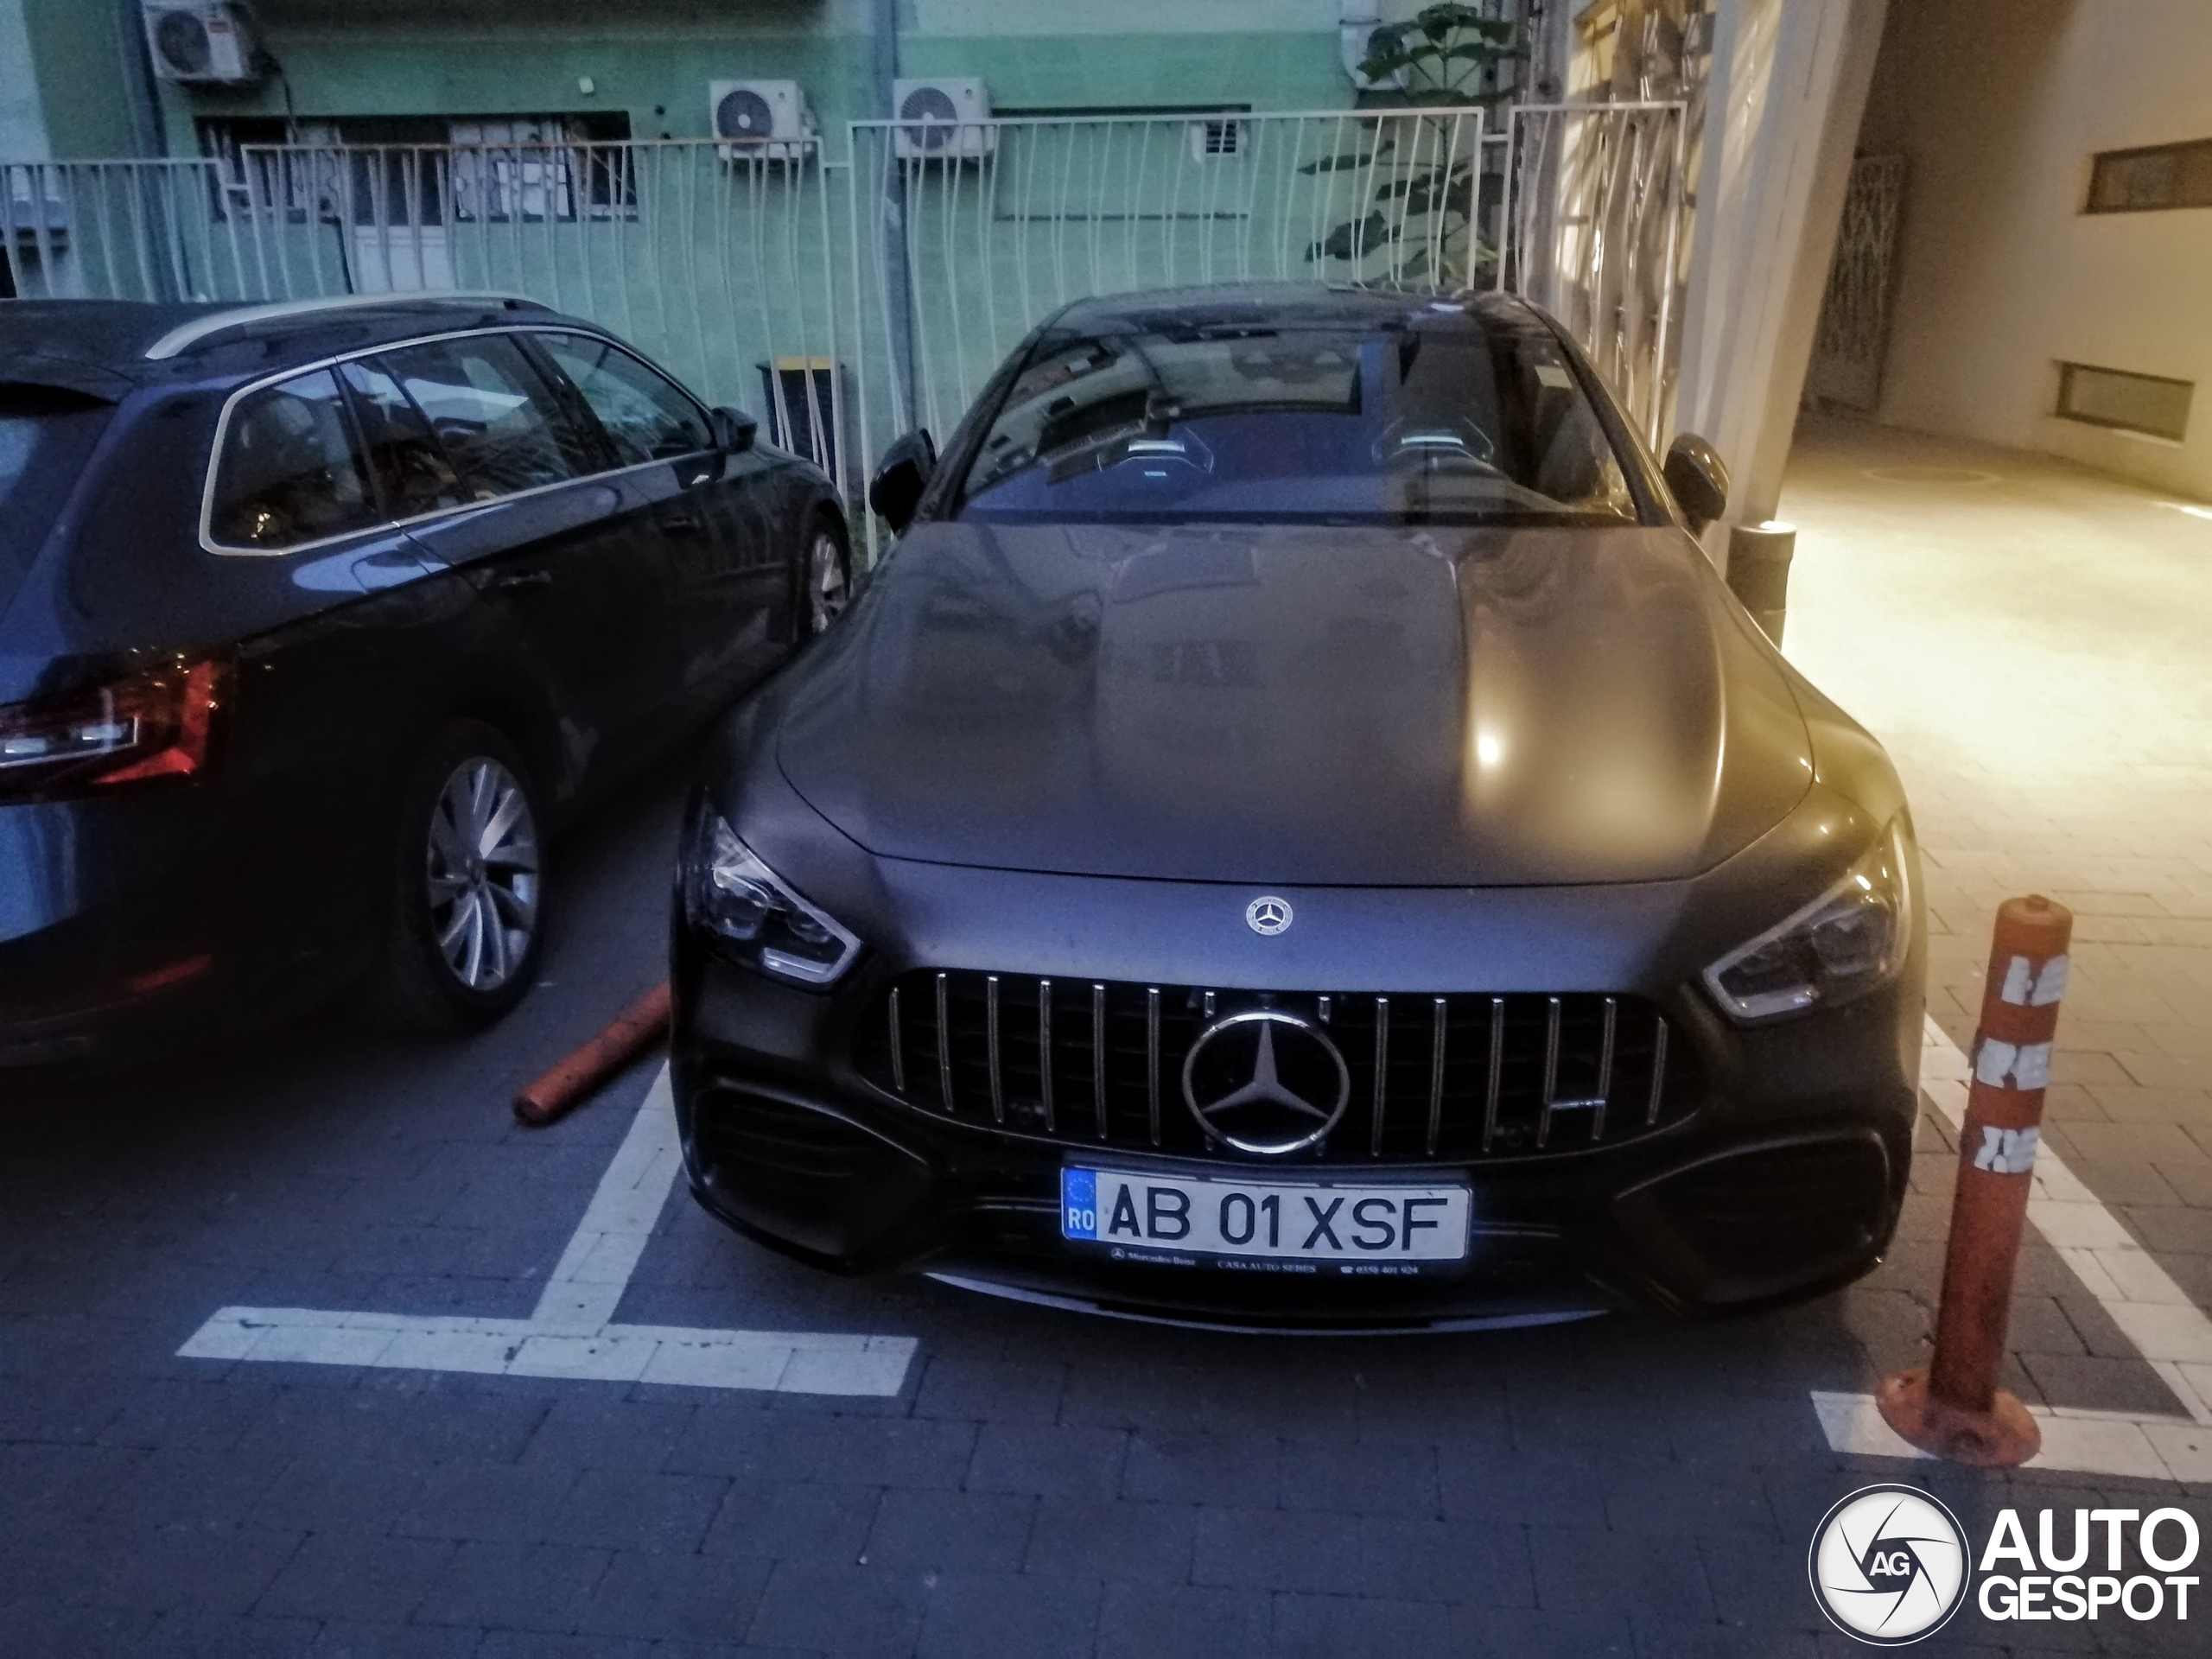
(734,430)
(897,488)
(1698,478)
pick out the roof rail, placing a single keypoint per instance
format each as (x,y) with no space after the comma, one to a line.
(191,333)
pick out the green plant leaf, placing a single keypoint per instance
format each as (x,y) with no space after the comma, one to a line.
(1351,160)
(1381,66)
(1436,22)
(1483,53)
(1353,239)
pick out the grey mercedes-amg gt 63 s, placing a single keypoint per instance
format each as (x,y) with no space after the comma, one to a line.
(1296,834)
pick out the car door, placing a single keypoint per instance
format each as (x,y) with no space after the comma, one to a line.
(544,533)
(710,511)
(334,610)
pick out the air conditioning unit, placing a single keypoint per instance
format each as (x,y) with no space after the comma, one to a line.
(201,42)
(942,119)
(764,119)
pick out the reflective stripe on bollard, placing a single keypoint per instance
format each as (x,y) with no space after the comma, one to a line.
(1954,1408)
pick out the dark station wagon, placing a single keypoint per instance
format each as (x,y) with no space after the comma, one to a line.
(316,620)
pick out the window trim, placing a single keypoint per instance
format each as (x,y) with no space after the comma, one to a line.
(2134,152)
(384,526)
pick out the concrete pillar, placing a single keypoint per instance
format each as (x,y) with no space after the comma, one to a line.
(1789,82)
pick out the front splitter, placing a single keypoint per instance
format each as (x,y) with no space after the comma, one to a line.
(1510,1321)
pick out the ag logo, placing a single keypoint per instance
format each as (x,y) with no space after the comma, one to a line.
(1889,1565)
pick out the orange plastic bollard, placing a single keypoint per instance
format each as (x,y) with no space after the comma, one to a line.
(639,1026)
(1954,1408)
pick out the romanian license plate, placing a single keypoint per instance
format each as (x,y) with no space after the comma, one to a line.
(1339,1225)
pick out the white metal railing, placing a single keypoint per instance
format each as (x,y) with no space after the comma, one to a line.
(1595,207)
(985,229)
(850,297)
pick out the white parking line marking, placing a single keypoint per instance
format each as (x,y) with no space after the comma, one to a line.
(2170,1331)
(2090,1442)
(572,1333)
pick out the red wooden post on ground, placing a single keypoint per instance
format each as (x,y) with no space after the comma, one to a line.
(1955,1409)
(560,1091)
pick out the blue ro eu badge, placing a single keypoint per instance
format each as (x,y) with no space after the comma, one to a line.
(1078,1204)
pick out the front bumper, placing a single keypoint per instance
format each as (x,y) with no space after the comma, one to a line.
(1783,1181)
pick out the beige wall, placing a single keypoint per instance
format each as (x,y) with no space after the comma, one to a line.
(1999,105)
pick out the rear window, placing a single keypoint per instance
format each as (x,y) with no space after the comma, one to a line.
(291,471)
(46,437)
(1434,419)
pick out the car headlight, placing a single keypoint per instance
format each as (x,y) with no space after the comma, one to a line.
(1847,942)
(754,918)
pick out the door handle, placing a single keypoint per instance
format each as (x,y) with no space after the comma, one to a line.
(518,580)
(681,524)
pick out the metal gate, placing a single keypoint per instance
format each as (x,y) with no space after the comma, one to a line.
(1854,327)
(848,297)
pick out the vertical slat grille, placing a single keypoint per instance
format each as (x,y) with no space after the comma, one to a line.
(1498,1076)
(944,1040)
(991,1047)
(1098,1057)
(1152,1059)
(1606,1067)
(1044,1055)
(898,1047)
(1439,1033)
(1496,1072)
(1381,1089)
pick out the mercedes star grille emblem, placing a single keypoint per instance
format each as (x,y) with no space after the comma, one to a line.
(1265,1081)
(1268,914)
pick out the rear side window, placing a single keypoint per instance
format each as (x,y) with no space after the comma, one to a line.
(645,416)
(411,467)
(291,469)
(46,437)
(496,420)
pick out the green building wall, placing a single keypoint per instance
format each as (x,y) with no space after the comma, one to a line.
(77,63)
(654,62)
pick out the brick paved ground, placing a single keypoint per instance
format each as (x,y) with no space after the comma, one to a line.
(1049,1486)
(2033,642)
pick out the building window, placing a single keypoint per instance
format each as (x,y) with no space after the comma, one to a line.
(1217,138)
(428,169)
(2132,402)
(2144,180)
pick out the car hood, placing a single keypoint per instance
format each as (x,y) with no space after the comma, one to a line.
(1322,706)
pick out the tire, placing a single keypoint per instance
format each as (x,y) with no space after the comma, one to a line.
(825,576)
(464,932)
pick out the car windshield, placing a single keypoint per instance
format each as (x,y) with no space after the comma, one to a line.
(1436,417)
(46,437)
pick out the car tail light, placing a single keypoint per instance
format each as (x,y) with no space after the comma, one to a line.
(156,725)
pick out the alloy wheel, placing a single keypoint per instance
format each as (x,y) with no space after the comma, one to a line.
(828,586)
(481,866)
